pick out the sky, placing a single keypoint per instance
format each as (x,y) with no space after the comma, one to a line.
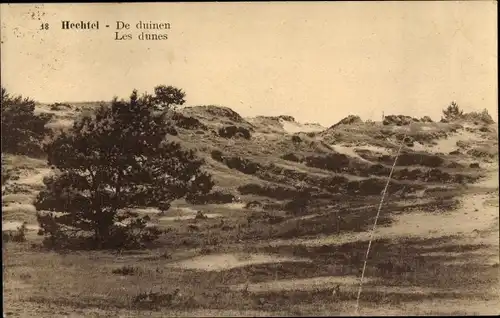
(316,61)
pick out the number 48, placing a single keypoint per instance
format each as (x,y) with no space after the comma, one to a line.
(44,26)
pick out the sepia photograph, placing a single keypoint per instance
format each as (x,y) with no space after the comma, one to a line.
(250,159)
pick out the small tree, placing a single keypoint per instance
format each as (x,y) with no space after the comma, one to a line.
(113,160)
(452,112)
(168,96)
(22,130)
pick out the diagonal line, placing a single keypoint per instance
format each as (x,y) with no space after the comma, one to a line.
(356,310)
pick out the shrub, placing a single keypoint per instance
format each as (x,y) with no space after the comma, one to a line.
(60,106)
(275,191)
(410,159)
(253,205)
(215,197)
(296,139)
(286,118)
(188,122)
(125,270)
(217,155)
(22,130)
(299,204)
(115,159)
(399,120)
(291,157)
(332,162)
(241,164)
(483,117)
(233,131)
(349,120)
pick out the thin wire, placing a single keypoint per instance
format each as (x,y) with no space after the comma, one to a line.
(356,310)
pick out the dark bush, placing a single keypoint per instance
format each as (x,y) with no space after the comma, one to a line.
(406,174)
(277,192)
(374,186)
(378,170)
(253,205)
(436,175)
(332,162)
(296,139)
(187,122)
(233,131)
(216,155)
(23,132)
(215,197)
(291,157)
(482,117)
(474,165)
(60,106)
(480,153)
(286,118)
(241,164)
(410,159)
(125,270)
(398,120)
(349,120)
(299,204)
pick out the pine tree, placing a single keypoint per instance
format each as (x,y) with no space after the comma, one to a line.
(452,112)
(110,161)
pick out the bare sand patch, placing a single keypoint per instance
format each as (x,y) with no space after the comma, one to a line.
(146,210)
(292,128)
(14,225)
(308,217)
(19,198)
(34,178)
(220,262)
(449,144)
(235,205)
(188,217)
(19,207)
(490,182)
(60,124)
(420,147)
